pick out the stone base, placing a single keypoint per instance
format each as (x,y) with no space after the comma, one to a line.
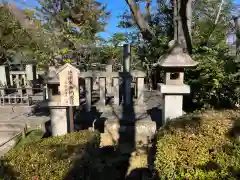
(131,114)
(59,121)
(143,131)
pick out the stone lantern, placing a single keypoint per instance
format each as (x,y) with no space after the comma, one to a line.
(174,88)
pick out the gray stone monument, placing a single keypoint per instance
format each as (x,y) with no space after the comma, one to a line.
(127,78)
(31,78)
(4,78)
(174,88)
(109,68)
(59,119)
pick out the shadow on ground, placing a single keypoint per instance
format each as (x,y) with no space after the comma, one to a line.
(6,171)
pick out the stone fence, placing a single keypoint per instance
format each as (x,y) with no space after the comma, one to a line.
(108,84)
(17,87)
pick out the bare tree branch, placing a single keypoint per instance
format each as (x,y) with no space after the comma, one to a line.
(219,12)
(147,9)
(144,27)
(217,18)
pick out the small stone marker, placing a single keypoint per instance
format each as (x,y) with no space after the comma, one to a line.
(69,85)
(69,89)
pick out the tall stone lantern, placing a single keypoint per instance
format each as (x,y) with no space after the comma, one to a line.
(174,88)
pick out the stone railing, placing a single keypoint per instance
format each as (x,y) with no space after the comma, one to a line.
(20,80)
(115,79)
(21,96)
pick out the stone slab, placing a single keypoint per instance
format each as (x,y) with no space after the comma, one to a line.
(144,130)
(5,144)
(174,89)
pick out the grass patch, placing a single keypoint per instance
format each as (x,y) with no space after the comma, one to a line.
(33,135)
(200,146)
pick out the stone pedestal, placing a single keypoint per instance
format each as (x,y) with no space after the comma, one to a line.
(143,131)
(59,121)
(173,100)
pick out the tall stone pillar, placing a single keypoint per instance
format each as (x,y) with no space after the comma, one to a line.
(127,78)
(109,69)
(4,75)
(31,78)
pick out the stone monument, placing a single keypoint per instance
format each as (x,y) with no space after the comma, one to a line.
(174,88)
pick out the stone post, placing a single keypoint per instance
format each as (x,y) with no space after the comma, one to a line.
(11,80)
(102,88)
(140,88)
(46,91)
(88,89)
(127,76)
(31,78)
(116,90)
(31,72)
(126,58)
(4,77)
(18,82)
(109,69)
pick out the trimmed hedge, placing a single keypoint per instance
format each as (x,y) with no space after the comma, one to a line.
(50,158)
(200,146)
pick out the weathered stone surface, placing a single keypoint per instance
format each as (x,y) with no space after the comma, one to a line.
(144,130)
(5,141)
(59,124)
(16,109)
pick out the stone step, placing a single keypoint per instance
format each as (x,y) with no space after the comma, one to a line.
(11,126)
(141,132)
(16,109)
(7,141)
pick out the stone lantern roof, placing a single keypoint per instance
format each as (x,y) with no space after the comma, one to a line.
(177,58)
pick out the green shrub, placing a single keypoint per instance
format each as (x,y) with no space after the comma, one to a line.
(200,146)
(214,81)
(50,158)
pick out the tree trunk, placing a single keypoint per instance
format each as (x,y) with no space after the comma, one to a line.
(182,12)
(184,22)
(175,20)
(237,27)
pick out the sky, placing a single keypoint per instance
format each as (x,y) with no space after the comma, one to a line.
(116,7)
